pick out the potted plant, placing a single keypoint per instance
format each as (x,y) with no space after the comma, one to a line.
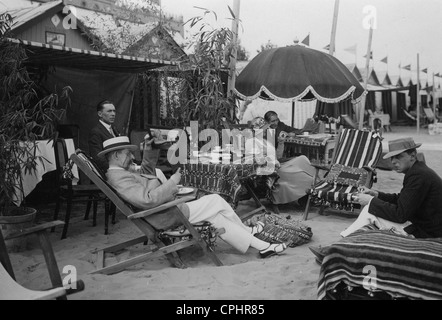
(25,117)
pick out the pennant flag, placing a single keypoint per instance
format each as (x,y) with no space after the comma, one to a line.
(437,75)
(385,60)
(371,55)
(425,70)
(306,41)
(327,47)
(407,67)
(352,49)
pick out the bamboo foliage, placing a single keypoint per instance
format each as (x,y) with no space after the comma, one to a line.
(25,117)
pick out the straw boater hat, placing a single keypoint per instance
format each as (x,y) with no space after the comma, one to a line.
(117,143)
(398,146)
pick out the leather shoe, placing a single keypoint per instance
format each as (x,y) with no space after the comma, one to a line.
(319,252)
(272,249)
(258,227)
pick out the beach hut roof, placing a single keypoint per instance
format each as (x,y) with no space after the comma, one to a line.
(355,71)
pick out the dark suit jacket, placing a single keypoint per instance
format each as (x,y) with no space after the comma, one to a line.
(420,201)
(283,127)
(97,135)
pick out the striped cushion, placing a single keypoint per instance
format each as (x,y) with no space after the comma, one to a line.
(358,149)
(381,261)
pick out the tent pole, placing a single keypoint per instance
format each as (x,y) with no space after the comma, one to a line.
(232,67)
(418,96)
(434,100)
(334,25)
(367,67)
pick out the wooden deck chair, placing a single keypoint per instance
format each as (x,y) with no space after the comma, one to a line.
(353,164)
(430,116)
(413,118)
(10,289)
(164,242)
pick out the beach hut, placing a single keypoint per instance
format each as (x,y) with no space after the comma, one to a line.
(79,57)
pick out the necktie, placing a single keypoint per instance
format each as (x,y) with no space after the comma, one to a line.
(111,131)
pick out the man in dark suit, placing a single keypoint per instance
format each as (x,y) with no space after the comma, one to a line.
(271,117)
(417,209)
(102,131)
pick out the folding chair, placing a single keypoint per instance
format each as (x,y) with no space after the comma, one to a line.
(10,289)
(69,192)
(430,116)
(354,161)
(413,118)
(166,242)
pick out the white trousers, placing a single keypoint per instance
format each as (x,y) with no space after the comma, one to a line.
(216,210)
(366,218)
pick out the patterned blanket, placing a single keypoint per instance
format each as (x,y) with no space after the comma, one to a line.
(278,229)
(381,261)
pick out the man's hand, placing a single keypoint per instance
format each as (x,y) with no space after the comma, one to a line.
(176,177)
(363,199)
(148,140)
(365,190)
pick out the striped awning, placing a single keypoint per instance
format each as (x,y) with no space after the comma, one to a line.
(53,55)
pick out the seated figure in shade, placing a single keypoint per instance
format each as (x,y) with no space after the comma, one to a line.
(295,174)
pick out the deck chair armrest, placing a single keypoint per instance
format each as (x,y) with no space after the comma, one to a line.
(35,229)
(160,208)
(369,169)
(321,166)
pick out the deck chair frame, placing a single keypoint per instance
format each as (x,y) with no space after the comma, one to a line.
(160,247)
(8,281)
(358,164)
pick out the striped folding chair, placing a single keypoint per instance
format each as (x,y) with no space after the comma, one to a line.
(353,165)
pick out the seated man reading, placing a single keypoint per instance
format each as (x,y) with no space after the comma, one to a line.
(142,188)
(414,212)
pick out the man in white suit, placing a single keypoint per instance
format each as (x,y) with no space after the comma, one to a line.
(144,189)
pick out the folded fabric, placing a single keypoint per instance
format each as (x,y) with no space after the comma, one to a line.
(381,261)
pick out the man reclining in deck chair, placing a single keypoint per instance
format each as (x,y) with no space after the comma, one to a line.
(142,188)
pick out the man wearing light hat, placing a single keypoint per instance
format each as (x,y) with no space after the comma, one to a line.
(417,209)
(142,188)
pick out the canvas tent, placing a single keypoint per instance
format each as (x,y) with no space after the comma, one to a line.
(93,76)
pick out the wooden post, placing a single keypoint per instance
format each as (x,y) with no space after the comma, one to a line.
(418,97)
(334,25)
(434,100)
(367,69)
(232,67)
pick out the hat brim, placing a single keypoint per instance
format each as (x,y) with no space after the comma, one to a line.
(395,153)
(131,147)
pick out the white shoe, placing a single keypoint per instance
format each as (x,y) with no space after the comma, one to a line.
(272,249)
(258,227)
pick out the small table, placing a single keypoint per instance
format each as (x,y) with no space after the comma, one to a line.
(318,148)
(231,181)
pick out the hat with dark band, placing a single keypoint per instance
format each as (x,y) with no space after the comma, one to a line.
(117,143)
(398,146)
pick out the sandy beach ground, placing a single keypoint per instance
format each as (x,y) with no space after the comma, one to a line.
(290,276)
